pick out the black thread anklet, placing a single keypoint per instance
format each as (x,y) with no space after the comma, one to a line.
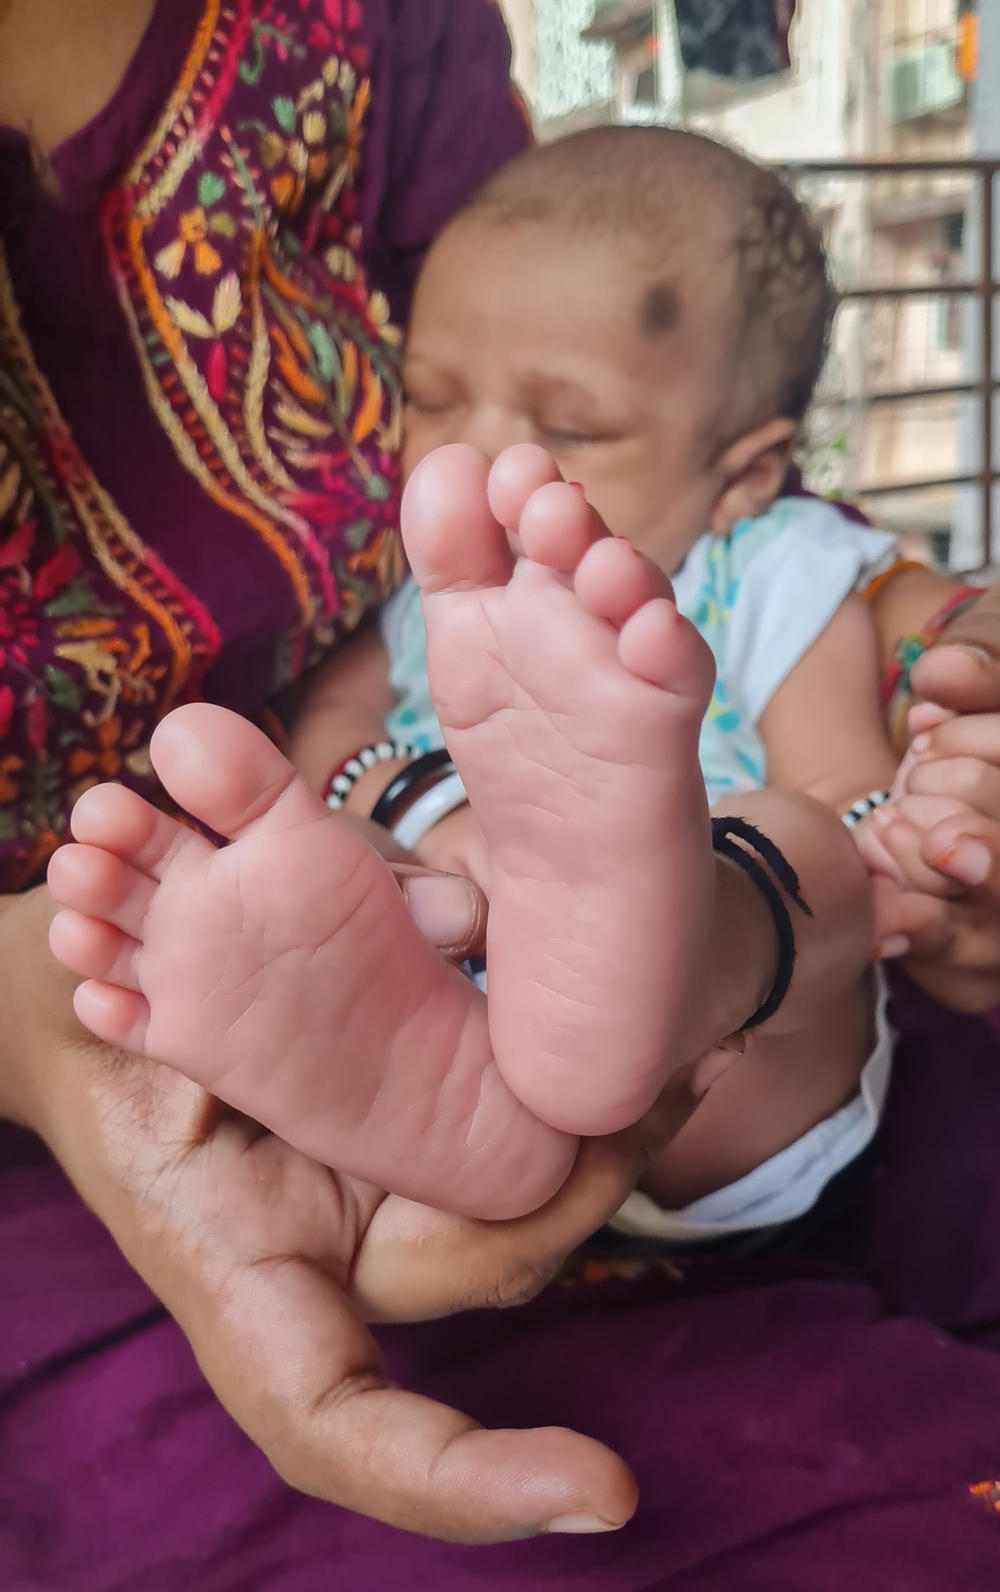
(742,843)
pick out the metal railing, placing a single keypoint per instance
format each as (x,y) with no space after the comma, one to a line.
(981,288)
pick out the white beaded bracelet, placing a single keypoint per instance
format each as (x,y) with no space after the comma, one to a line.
(863,806)
(343,780)
(429,808)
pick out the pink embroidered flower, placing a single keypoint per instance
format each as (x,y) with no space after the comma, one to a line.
(56,573)
(37,721)
(340,16)
(18,625)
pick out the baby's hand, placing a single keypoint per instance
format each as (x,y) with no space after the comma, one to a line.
(938,900)
(456,845)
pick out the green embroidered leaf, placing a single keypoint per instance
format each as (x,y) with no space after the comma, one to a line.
(377,489)
(252,71)
(211,188)
(357,534)
(284,113)
(7,830)
(223,223)
(63,690)
(327,362)
(74,600)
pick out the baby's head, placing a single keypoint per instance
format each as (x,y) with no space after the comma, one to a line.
(649,305)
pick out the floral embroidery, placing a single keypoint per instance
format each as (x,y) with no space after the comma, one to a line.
(234,245)
(88,620)
(192,234)
(287,366)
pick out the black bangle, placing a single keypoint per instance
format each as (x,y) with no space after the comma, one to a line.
(751,856)
(384,812)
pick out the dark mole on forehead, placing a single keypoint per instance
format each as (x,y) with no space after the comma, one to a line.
(660,309)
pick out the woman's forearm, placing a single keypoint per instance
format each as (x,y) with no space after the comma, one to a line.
(37,1024)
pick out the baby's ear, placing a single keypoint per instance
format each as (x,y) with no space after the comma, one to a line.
(752,472)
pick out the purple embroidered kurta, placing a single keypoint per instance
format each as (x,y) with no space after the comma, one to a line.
(200,408)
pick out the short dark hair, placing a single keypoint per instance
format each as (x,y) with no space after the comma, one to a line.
(654,187)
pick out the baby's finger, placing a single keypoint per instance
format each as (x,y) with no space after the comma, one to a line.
(924,716)
(973,735)
(967,780)
(903,841)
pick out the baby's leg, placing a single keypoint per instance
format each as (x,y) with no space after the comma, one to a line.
(805,1063)
(571,693)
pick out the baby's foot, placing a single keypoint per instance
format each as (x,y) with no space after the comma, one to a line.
(571,695)
(285,975)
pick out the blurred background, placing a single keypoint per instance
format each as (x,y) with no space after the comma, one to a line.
(887,115)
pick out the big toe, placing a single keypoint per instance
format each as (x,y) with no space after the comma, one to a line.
(452,540)
(224,771)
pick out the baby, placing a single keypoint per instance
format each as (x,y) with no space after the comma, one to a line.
(654,310)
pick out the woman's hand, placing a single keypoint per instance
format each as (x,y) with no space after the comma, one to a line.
(954,945)
(456,845)
(271,1263)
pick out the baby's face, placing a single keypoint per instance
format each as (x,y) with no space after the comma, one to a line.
(517,336)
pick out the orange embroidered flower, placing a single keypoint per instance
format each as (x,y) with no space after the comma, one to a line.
(989,1493)
(106,759)
(8,789)
(192,233)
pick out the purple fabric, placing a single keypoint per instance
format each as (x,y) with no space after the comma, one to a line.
(792,1423)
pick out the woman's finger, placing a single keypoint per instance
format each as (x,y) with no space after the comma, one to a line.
(963,671)
(250,1246)
(449,911)
(968,780)
(288,1357)
(967,848)
(972,735)
(406,1268)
